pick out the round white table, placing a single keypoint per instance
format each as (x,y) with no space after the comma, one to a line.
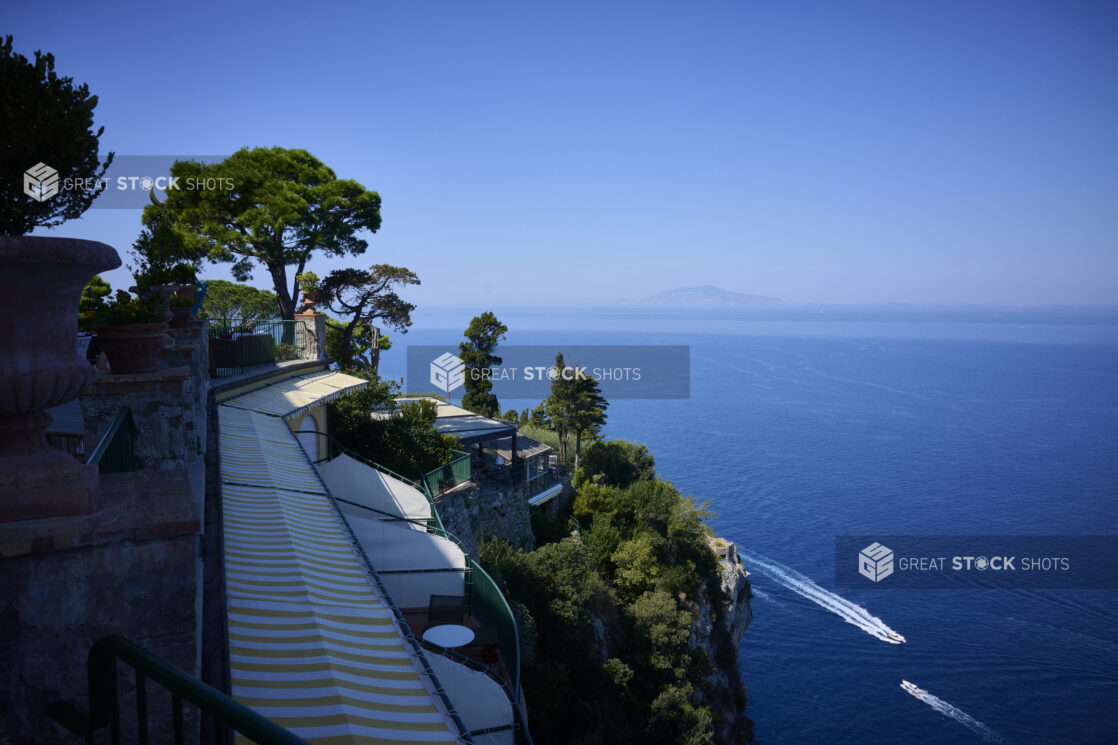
(449,635)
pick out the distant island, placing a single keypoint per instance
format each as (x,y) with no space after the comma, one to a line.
(709,296)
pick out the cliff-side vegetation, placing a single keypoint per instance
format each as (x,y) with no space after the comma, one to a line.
(607,612)
(405,442)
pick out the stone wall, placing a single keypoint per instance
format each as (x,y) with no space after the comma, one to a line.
(131,568)
(168,405)
(472,515)
(314,331)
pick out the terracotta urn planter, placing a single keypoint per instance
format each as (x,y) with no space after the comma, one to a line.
(133,347)
(41,368)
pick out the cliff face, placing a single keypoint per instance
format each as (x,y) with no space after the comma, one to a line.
(720,637)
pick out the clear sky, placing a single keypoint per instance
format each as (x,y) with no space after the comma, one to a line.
(580,152)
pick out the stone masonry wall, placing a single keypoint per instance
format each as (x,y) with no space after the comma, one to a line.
(472,515)
(131,569)
(168,405)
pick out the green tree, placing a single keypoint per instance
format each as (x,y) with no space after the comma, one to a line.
(365,298)
(617,463)
(275,207)
(45,118)
(160,256)
(477,354)
(675,720)
(229,301)
(589,414)
(561,403)
(362,347)
(406,441)
(93,296)
(511,416)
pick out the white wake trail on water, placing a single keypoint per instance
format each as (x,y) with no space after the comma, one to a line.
(840,606)
(957,714)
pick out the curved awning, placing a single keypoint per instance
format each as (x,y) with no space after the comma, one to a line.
(293,396)
(353,481)
(312,644)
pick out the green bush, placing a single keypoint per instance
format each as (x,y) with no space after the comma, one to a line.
(405,442)
(611,610)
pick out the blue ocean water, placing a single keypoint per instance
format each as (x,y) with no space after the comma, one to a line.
(804,424)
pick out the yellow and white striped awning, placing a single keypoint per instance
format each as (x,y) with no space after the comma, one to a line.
(312,645)
(293,396)
(259,449)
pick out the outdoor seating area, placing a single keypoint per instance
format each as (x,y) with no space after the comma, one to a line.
(499,457)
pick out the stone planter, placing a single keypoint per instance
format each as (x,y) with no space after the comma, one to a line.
(40,368)
(133,347)
(180,317)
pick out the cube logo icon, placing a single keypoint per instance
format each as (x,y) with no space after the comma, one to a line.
(875,562)
(447,372)
(40,182)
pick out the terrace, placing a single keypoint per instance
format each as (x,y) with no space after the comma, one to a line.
(500,459)
(303,595)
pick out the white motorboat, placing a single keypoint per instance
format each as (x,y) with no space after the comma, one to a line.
(911,687)
(893,636)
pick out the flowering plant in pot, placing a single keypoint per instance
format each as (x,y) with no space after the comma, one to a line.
(131,329)
(182,307)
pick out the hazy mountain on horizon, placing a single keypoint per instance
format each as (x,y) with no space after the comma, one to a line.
(709,296)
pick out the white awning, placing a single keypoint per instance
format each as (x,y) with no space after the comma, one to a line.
(413,565)
(546,495)
(353,481)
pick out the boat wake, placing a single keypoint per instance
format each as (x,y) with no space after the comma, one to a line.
(843,608)
(955,713)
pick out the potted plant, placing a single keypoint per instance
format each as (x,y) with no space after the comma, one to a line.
(182,307)
(131,329)
(40,366)
(285,351)
(308,282)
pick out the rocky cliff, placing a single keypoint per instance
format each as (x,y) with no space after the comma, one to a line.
(719,635)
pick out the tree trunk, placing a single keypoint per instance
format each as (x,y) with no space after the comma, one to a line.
(374,352)
(283,296)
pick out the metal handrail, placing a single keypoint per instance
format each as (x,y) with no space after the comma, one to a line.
(270,336)
(113,453)
(452,467)
(103,699)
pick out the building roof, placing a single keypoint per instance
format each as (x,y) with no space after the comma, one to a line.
(468,426)
(526,447)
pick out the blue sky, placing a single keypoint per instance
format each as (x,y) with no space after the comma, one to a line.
(532,153)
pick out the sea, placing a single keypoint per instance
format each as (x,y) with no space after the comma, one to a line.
(810,422)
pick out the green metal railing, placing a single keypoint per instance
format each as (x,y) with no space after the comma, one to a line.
(446,477)
(236,345)
(104,700)
(113,453)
